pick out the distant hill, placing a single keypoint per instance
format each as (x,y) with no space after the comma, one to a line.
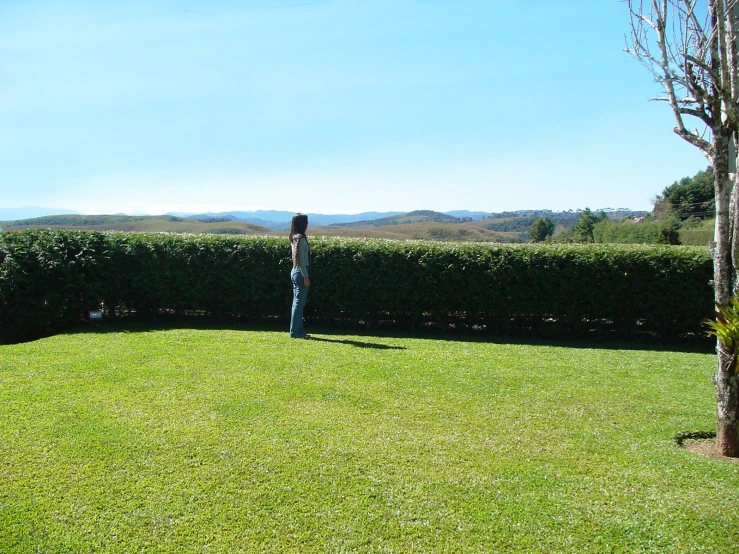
(208,219)
(428,230)
(418,216)
(272,216)
(462,214)
(512,224)
(277,220)
(280,220)
(419,224)
(158,223)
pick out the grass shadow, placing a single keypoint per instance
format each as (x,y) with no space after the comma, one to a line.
(340,334)
(358,344)
(640,344)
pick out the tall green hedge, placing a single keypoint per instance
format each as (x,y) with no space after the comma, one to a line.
(49,280)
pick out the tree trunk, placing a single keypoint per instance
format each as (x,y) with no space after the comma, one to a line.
(727,404)
(724,276)
(722,254)
(734,212)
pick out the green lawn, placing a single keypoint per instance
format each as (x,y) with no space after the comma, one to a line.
(188,440)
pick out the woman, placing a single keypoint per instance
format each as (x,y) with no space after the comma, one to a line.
(299,274)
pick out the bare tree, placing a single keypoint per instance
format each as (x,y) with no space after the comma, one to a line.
(690,47)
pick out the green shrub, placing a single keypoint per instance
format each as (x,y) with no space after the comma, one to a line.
(628,232)
(49,280)
(698,235)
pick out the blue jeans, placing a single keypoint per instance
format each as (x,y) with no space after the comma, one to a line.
(300,296)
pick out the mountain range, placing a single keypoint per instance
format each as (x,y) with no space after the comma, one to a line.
(280,220)
(458,225)
(271,219)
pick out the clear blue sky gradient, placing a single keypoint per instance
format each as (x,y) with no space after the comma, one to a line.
(329,106)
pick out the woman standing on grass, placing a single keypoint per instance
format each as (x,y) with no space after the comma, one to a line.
(299,274)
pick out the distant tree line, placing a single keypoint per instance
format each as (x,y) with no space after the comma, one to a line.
(522,224)
(211,219)
(690,197)
(684,205)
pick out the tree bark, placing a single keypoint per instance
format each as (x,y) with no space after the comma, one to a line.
(724,270)
(727,404)
(722,255)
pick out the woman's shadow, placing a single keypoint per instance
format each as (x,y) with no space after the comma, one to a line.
(359,344)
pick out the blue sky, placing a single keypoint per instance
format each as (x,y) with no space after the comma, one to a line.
(329,106)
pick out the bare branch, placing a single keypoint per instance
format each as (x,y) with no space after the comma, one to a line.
(700,114)
(690,59)
(695,140)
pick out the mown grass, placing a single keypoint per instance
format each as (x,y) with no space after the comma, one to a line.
(188,440)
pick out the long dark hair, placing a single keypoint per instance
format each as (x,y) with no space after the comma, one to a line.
(298,226)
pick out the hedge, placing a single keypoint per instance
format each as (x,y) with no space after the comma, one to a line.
(49,280)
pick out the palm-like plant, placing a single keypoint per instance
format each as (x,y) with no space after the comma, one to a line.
(726,327)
